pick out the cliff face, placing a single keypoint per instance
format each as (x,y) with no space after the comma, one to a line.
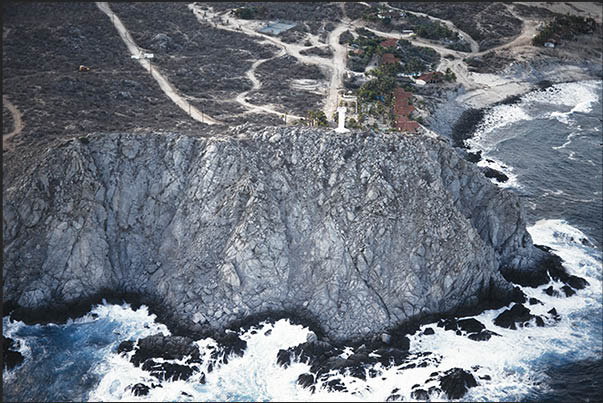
(361,231)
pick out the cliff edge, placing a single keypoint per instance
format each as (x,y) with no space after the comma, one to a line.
(360,231)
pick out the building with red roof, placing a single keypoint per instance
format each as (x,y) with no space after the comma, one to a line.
(403,109)
(389,58)
(389,43)
(405,125)
(432,77)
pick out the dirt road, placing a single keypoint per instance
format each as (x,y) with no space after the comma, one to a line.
(165,85)
(257,84)
(335,65)
(338,66)
(17,122)
(449,24)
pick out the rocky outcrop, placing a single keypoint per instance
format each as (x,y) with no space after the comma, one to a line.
(359,231)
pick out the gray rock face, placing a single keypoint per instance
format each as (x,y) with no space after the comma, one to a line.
(361,231)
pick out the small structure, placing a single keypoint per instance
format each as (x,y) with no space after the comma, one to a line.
(341,128)
(349,98)
(408,33)
(276,27)
(432,77)
(389,43)
(389,58)
(405,125)
(148,55)
(137,57)
(403,110)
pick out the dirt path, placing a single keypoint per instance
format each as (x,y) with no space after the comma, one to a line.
(528,31)
(257,84)
(165,85)
(17,123)
(336,64)
(449,24)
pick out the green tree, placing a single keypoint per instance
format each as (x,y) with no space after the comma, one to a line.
(449,75)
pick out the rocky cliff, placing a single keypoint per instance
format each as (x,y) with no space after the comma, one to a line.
(360,231)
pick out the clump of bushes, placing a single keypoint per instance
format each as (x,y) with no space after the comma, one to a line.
(565,27)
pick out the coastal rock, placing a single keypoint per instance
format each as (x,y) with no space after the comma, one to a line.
(518,314)
(305,380)
(167,348)
(358,231)
(493,173)
(167,371)
(456,381)
(472,328)
(139,389)
(11,357)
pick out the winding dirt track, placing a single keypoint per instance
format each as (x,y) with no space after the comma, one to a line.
(250,74)
(165,85)
(336,64)
(449,24)
(17,122)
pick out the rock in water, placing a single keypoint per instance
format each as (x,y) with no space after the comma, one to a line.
(11,357)
(140,389)
(518,314)
(305,380)
(358,231)
(456,381)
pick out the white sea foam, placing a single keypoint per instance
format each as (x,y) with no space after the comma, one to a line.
(514,360)
(576,97)
(493,163)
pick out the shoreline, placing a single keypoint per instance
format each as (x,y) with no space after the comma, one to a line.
(515,81)
(490,297)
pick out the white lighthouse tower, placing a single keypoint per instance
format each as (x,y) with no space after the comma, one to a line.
(341,128)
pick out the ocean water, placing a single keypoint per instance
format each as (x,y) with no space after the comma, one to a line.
(549,143)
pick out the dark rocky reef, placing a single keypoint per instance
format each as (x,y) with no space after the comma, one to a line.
(549,268)
(517,315)
(359,232)
(10,356)
(177,357)
(472,328)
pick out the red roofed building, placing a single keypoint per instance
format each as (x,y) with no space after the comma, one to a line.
(405,125)
(403,109)
(432,77)
(389,58)
(399,93)
(389,43)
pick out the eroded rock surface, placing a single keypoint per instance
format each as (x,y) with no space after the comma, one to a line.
(360,231)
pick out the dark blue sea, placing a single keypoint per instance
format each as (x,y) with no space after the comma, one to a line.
(550,146)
